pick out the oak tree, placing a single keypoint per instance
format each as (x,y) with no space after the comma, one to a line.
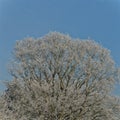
(56,77)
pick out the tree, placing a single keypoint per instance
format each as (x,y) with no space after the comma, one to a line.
(59,78)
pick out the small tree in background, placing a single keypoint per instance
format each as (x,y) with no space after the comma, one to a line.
(59,78)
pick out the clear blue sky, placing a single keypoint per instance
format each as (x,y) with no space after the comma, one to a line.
(97,19)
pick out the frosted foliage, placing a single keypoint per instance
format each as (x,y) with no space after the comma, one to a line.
(59,78)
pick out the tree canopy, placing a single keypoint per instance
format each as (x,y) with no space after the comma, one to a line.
(56,77)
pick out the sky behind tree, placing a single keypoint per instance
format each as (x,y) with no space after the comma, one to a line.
(96,19)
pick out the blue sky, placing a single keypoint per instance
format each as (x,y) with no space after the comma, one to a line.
(97,19)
